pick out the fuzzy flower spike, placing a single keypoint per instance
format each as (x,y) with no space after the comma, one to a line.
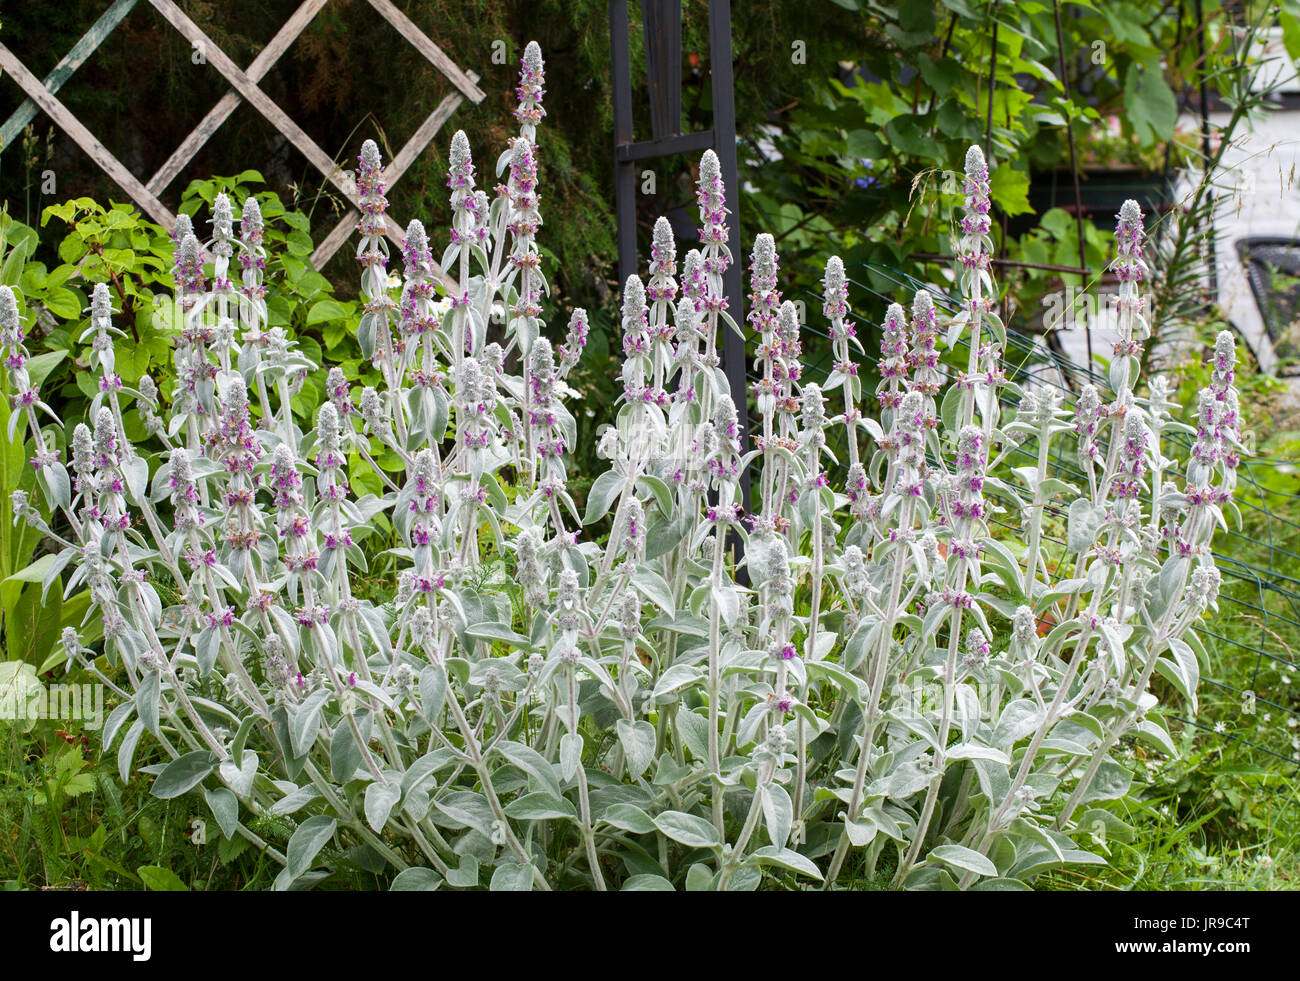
(532,76)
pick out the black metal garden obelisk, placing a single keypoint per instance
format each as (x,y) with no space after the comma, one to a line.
(662,26)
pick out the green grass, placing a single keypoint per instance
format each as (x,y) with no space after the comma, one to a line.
(1226,813)
(67,822)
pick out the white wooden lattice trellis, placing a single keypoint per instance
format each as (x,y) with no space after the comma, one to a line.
(41,96)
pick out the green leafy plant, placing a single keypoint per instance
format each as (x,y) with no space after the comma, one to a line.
(528,706)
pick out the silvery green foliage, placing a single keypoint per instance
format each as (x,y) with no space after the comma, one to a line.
(529,705)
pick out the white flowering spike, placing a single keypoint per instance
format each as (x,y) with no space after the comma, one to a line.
(788,323)
(415,251)
(532,76)
(763,258)
(663,248)
(710,168)
(370,155)
(633,301)
(814,408)
(101,305)
(459,157)
(327,427)
(223,229)
(250,220)
(8,309)
(835,293)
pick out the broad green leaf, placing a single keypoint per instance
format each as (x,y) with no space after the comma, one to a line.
(307,841)
(36,571)
(678,676)
(39,367)
(433,691)
(652,586)
(603,491)
(225,808)
(778,812)
(159,879)
(499,632)
(540,806)
(629,817)
(966,859)
(1010,190)
(532,762)
(380,800)
(183,774)
(700,878)
(306,723)
(689,829)
(787,858)
(638,742)
(728,603)
(694,731)
(512,877)
(1112,781)
(345,754)
(1152,108)
(326,309)
(570,755)
(416,880)
(646,882)
(974,751)
(1000,884)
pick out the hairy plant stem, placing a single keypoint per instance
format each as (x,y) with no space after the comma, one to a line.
(715,618)
(941,748)
(480,767)
(583,800)
(1037,508)
(878,673)
(737,857)
(1158,644)
(997,817)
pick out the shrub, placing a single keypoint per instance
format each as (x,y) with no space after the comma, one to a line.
(531,706)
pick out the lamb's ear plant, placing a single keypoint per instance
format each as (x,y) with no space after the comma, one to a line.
(552,696)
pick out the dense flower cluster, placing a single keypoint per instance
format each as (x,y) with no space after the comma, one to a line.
(384,614)
(894,357)
(532,76)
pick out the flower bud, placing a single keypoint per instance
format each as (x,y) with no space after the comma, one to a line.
(251,225)
(663,249)
(814,408)
(223,230)
(787,324)
(1203,590)
(1024,627)
(630,614)
(977,648)
(835,290)
(101,305)
(10,327)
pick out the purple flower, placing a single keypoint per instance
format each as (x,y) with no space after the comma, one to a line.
(867,181)
(711,196)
